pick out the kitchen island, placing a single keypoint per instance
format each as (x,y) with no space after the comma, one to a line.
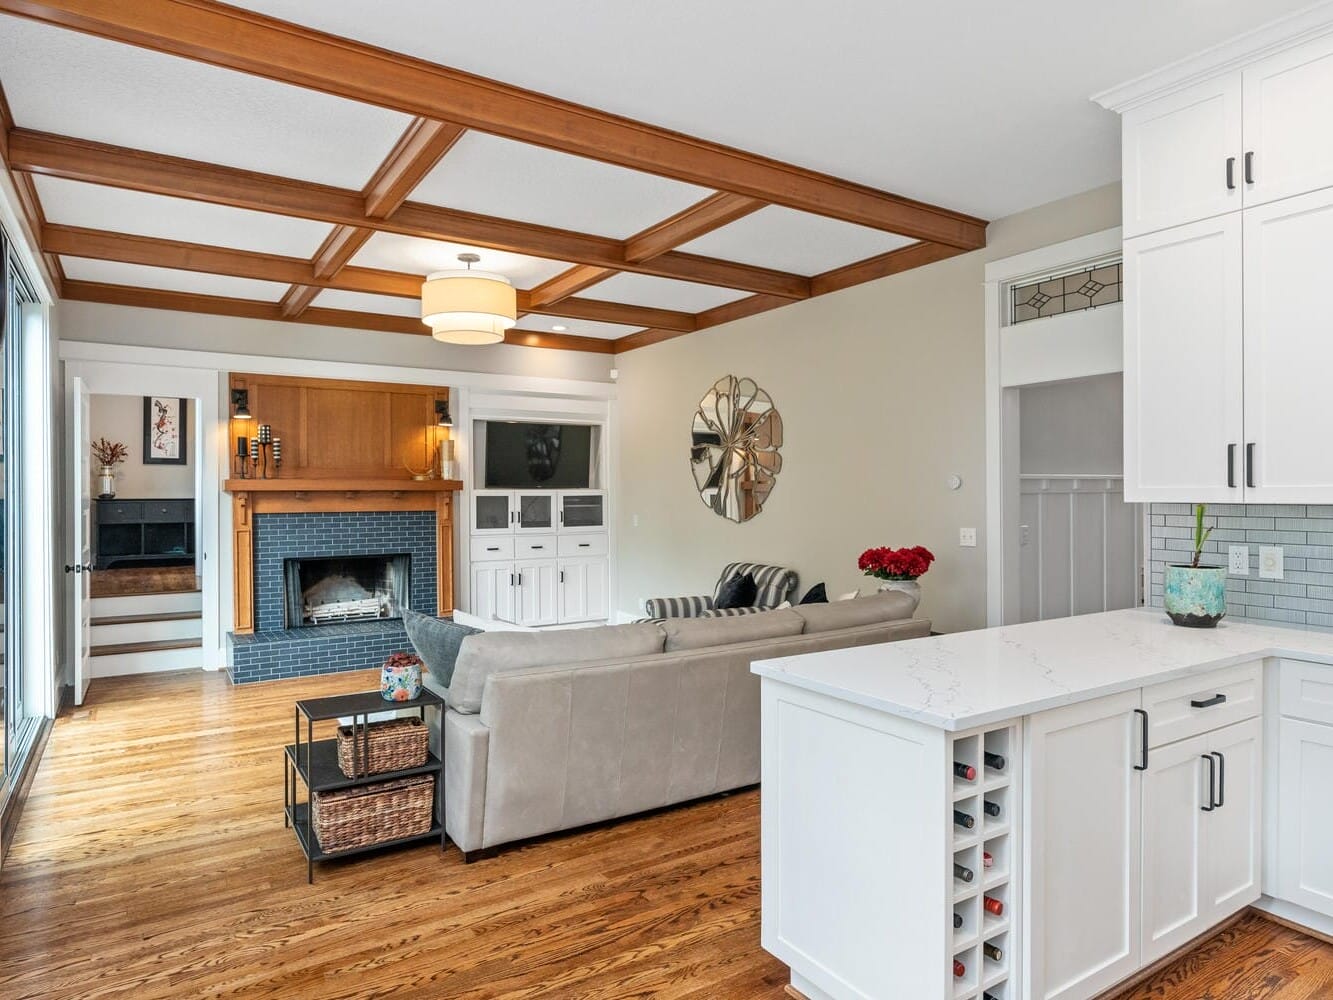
(1040,810)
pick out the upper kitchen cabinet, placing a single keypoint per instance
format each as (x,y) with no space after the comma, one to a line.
(1181,155)
(1287,138)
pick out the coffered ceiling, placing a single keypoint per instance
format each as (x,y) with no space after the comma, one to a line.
(183,154)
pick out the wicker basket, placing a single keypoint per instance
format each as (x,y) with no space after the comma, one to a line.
(374,814)
(395,745)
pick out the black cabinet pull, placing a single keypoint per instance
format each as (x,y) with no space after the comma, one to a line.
(1231,173)
(1217,699)
(1231,466)
(1249,167)
(1142,765)
(492,548)
(1221,778)
(1212,783)
(585,545)
(1249,465)
(535,547)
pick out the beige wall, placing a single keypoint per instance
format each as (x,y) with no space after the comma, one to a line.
(120,418)
(881,389)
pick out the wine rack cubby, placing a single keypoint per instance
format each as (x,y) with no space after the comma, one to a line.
(982,917)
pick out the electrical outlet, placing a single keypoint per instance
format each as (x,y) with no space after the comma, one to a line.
(967,538)
(1239,560)
(634,521)
(1024,534)
(1270,562)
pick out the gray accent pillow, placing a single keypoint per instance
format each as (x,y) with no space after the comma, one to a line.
(888,606)
(437,642)
(699,633)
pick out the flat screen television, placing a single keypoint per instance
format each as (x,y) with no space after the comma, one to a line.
(523,456)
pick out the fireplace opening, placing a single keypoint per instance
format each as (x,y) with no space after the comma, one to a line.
(331,589)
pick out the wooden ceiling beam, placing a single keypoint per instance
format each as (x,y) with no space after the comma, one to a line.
(338,248)
(297,300)
(217,305)
(568,283)
(31,217)
(97,163)
(248,42)
(154,252)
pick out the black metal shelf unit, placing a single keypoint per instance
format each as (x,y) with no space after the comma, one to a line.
(315,764)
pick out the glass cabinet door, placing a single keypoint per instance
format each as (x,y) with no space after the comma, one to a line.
(492,513)
(536,512)
(582,511)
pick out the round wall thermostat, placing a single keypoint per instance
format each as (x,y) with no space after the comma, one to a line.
(955,482)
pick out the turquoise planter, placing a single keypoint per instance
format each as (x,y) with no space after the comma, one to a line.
(1196,597)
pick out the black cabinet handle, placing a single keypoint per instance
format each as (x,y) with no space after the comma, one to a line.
(1221,778)
(585,545)
(1231,173)
(1212,783)
(1249,465)
(1249,167)
(492,548)
(1231,466)
(1142,765)
(1217,699)
(535,547)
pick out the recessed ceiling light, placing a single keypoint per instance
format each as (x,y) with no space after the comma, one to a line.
(559,327)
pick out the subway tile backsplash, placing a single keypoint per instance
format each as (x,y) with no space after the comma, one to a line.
(1305,531)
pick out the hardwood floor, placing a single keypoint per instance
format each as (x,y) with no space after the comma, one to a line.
(151,861)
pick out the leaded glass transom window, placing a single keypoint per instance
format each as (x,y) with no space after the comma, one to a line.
(1085,289)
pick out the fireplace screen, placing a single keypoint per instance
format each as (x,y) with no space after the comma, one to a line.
(326,590)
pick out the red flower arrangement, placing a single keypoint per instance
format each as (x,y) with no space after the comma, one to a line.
(896,564)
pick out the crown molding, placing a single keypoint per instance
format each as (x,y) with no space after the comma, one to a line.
(1234,54)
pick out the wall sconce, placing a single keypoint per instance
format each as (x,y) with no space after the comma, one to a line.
(442,414)
(240,404)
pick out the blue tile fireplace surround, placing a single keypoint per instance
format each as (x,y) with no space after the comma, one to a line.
(274,650)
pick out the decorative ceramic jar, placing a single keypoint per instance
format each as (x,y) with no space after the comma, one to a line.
(400,677)
(1195,596)
(911,588)
(106,482)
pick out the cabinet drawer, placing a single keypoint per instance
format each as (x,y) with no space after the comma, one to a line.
(492,548)
(582,545)
(535,546)
(1224,697)
(1306,691)
(168,511)
(119,511)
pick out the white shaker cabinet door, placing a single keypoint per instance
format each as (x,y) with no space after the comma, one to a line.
(1232,875)
(1288,142)
(1084,848)
(1180,157)
(1288,350)
(1175,804)
(1184,369)
(1305,814)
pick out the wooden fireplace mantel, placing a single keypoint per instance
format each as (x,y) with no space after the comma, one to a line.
(335,495)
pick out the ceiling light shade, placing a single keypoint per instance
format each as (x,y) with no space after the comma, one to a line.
(468,307)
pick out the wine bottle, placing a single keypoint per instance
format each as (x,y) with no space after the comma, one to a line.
(992,952)
(959,969)
(995,761)
(957,921)
(965,771)
(987,861)
(961,818)
(961,872)
(993,906)
(990,808)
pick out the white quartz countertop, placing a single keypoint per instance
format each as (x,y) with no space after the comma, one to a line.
(968,679)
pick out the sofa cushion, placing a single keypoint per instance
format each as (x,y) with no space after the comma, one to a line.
(437,643)
(884,607)
(738,592)
(818,594)
(699,633)
(498,652)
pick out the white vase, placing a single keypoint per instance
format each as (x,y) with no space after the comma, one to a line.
(911,588)
(106,482)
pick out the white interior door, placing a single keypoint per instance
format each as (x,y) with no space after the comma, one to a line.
(78,570)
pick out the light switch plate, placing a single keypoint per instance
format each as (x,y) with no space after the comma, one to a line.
(1238,560)
(967,538)
(1270,562)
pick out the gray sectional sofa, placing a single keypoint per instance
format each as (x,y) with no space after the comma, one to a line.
(552,730)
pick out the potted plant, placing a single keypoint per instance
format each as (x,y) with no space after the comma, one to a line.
(400,677)
(1196,596)
(899,569)
(109,454)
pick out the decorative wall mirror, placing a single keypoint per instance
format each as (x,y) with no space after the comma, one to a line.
(735,448)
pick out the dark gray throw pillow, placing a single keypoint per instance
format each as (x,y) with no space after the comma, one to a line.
(436,642)
(815,595)
(738,592)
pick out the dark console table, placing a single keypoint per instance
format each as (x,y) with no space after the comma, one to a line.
(144,532)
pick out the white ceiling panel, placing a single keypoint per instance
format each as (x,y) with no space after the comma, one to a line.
(979,107)
(513,180)
(575,327)
(387,305)
(392,252)
(794,241)
(71,203)
(74,84)
(661,293)
(171,280)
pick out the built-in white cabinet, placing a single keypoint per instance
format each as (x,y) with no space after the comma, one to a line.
(493,590)
(1304,873)
(1228,217)
(535,583)
(583,590)
(583,511)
